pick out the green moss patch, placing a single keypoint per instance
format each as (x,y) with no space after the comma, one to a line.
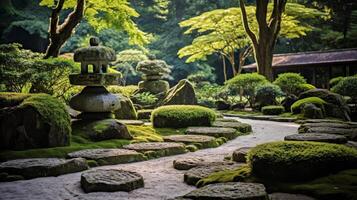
(9,99)
(144,134)
(273,110)
(238,174)
(297,106)
(179,116)
(291,161)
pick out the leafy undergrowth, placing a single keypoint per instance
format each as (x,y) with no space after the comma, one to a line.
(79,142)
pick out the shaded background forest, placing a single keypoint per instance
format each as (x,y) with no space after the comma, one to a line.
(26,22)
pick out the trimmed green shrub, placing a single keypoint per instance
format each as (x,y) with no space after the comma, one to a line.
(292,161)
(267,94)
(177,116)
(297,106)
(290,82)
(247,83)
(347,87)
(124,90)
(335,81)
(273,110)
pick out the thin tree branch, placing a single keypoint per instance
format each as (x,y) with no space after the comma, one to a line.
(246,24)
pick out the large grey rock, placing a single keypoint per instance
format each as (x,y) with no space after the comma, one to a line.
(228,133)
(193,175)
(158,148)
(95,99)
(203,140)
(317,137)
(40,167)
(108,156)
(105,129)
(240,154)
(126,110)
(153,86)
(229,191)
(181,94)
(286,196)
(110,180)
(344,129)
(241,127)
(336,105)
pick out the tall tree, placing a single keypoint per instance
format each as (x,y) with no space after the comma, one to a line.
(268,31)
(100,14)
(219,31)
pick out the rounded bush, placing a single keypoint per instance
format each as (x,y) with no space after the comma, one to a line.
(297,106)
(291,161)
(347,87)
(335,81)
(305,87)
(273,110)
(290,82)
(267,94)
(177,116)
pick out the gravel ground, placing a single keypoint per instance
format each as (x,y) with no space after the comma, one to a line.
(162,181)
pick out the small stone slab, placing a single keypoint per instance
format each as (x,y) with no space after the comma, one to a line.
(241,127)
(41,167)
(286,196)
(189,163)
(226,120)
(229,133)
(317,137)
(160,148)
(110,180)
(108,156)
(203,140)
(131,122)
(350,134)
(230,191)
(192,176)
(240,154)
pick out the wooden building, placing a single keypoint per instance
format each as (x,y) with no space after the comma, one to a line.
(317,67)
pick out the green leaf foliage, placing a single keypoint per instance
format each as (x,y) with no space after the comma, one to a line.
(290,82)
(272,110)
(347,87)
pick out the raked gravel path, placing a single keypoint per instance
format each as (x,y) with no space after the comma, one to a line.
(162,181)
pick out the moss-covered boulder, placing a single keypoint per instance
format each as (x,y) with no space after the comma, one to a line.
(272,110)
(181,94)
(297,107)
(153,86)
(228,133)
(239,126)
(105,129)
(33,121)
(157,149)
(335,104)
(292,161)
(311,111)
(178,116)
(126,110)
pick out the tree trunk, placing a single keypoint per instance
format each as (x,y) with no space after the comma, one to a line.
(224,68)
(264,57)
(59,34)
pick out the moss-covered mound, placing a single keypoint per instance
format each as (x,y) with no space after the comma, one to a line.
(298,105)
(273,110)
(291,161)
(177,116)
(33,121)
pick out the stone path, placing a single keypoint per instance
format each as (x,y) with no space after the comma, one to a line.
(162,181)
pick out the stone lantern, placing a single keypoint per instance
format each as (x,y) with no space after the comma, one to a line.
(94,101)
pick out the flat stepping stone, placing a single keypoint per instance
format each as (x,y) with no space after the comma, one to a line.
(110,180)
(204,141)
(108,156)
(192,176)
(189,163)
(158,148)
(350,134)
(241,127)
(229,133)
(317,137)
(286,196)
(240,154)
(42,167)
(131,122)
(229,191)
